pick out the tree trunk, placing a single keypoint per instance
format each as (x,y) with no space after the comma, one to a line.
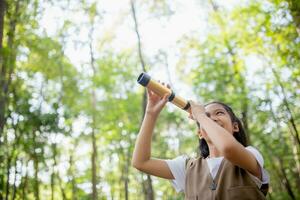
(7,64)
(8,61)
(36,169)
(53,170)
(2,77)
(15,179)
(94,166)
(62,190)
(287,105)
(8,162)
(245,119)
(286,180)
(132,3)
(149,188)
(94,145)
(283,174)
(2,97)
(36,178)
(150,194)
(24,183)
(126,175)
(71,174)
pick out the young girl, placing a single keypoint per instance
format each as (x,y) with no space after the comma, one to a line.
(227,167)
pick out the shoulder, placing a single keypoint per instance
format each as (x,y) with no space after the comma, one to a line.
(256,154)
(260,160)
(179,160)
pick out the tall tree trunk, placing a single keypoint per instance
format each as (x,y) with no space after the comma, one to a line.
(2,77)
(94,166)
(24,183)
(150,193)
(126,174)
(71,174)
(283,174)
(15,179)
(291,118)
(8,61)
(36,178)
(7,64)
(2,97)
(55,174)
(136,27)
(94,145)
(36,187)
(286,181)
(149,188)
(126,187)
(53,171)
(62,190)
(8,163)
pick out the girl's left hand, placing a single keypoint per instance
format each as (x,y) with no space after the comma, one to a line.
(196,110)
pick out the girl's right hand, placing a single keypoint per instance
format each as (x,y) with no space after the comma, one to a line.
(156,103)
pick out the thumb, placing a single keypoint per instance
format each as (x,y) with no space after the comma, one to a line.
(165,99)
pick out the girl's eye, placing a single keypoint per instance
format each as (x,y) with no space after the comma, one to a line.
(220,113)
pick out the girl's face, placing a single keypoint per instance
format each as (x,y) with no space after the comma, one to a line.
(218,114)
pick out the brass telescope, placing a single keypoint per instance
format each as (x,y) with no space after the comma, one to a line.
(159,89)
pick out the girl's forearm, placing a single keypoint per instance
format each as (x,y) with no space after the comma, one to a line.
(142,150)
(219,136)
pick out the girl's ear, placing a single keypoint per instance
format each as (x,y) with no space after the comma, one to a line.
(236,127)
(202,133)
(199,133)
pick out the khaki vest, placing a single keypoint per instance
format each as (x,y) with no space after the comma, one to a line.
(231,182)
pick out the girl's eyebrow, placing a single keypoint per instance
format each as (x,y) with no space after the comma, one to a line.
(218,109)
(214,111)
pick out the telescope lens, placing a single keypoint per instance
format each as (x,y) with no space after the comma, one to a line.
(143,79)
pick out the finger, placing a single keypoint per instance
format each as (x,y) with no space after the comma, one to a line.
(165,99)
(149,92)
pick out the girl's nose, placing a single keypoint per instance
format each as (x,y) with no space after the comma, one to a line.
(214,118)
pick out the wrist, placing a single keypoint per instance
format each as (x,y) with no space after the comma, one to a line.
(150,113)
(201,116)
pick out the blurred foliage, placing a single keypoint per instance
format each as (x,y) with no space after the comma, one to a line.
(49,114)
